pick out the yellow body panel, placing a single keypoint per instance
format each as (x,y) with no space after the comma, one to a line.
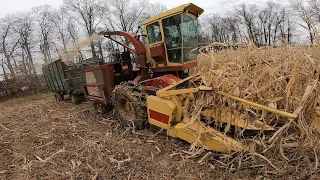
(180,9)
(163,106)
(204,136)
(195,132)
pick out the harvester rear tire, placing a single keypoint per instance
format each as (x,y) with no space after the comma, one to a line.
(130,105)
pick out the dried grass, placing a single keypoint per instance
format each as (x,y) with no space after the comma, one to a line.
(43,139)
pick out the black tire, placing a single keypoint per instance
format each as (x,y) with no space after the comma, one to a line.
(59,97)
(130,105)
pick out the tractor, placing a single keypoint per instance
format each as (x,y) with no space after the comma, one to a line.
(159,91)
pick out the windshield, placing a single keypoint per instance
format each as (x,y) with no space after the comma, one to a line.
(181,38)
(172,34)
(190,38)
(154,33)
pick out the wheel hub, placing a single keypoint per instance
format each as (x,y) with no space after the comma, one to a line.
(126,109)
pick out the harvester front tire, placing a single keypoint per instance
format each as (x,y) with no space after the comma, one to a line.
(130,107)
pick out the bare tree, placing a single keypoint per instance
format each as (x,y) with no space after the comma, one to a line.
(248,16)
(59,19)
(155,9)
(72,30)
(127,15)
(217,28)
(304,12)
(223,29)
(233,28)
(269,20)
(9,41)
(203,33)
(53,30)
(3,67)
(88,13)
(266,25)
(272,19)
(315,9)
(25,29)
(286,25)
(43,16)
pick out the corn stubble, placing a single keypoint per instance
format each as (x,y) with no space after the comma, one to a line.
(284,78)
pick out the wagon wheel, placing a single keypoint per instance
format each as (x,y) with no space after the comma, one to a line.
(100,108)
(130,106)
(59,97)
(74,99)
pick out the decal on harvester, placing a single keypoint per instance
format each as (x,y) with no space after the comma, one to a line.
(159,116)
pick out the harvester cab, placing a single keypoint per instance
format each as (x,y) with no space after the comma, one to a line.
(172,39)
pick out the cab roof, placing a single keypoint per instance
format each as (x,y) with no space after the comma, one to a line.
(190,7)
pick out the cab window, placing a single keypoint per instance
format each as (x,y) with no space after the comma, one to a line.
(173,40)
(154,33)
(190,38)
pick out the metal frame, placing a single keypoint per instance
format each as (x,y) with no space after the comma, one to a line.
(105,86)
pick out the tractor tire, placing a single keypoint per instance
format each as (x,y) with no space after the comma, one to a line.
(75,99)
(129,102)
(59,97)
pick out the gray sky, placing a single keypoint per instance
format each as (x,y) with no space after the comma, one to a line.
(214,6)
(10,6)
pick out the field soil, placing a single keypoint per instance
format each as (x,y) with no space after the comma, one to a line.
(44,139)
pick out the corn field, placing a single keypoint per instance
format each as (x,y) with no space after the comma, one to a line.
(284,78)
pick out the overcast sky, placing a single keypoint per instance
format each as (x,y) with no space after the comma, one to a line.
(10,6)
(214,6)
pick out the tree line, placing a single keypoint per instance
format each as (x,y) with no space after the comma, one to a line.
(45,32)
(271,24)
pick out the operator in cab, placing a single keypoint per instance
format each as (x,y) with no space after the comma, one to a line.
(168,40)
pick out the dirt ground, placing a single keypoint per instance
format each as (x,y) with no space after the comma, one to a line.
(44,139)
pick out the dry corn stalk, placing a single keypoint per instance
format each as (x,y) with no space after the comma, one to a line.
(284,78)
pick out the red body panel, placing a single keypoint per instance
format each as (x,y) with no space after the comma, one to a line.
(159,116)
(158,53)
(155,84)
(105,75)
(107,68)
